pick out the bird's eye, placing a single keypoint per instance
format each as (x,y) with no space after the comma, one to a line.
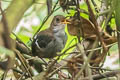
(57,20)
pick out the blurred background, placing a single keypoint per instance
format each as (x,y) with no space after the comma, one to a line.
(34,17)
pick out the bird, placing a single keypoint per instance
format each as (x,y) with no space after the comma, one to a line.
(48,42)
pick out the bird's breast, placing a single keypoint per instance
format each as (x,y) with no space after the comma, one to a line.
(60,37)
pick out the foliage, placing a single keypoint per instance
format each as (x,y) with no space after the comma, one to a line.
(94,26)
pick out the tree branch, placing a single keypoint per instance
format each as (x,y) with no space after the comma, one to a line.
(15,11)
(117,19)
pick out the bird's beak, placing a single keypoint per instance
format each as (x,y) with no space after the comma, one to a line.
(66,21)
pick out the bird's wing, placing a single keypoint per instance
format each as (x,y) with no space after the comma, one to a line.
(44,44)
(43,40)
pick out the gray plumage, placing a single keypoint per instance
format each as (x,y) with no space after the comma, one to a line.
(50,41)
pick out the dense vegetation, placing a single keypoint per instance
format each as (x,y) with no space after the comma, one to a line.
(92,51)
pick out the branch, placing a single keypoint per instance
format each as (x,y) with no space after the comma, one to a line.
(117,19)
(15,11)
(103,75)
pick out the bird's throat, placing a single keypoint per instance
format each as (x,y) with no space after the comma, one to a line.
(58,32)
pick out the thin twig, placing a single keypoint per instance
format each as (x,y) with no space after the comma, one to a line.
(67,50)
(103,13)
(24,63)
(98,32)
(35,59)
(92,67)
(95,49)
(95,5)
(50,74)
(20,41)
(22,75)
(108,18)
(85,65)
(50,66)
(103,75)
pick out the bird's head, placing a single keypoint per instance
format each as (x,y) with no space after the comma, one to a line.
(58,22)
